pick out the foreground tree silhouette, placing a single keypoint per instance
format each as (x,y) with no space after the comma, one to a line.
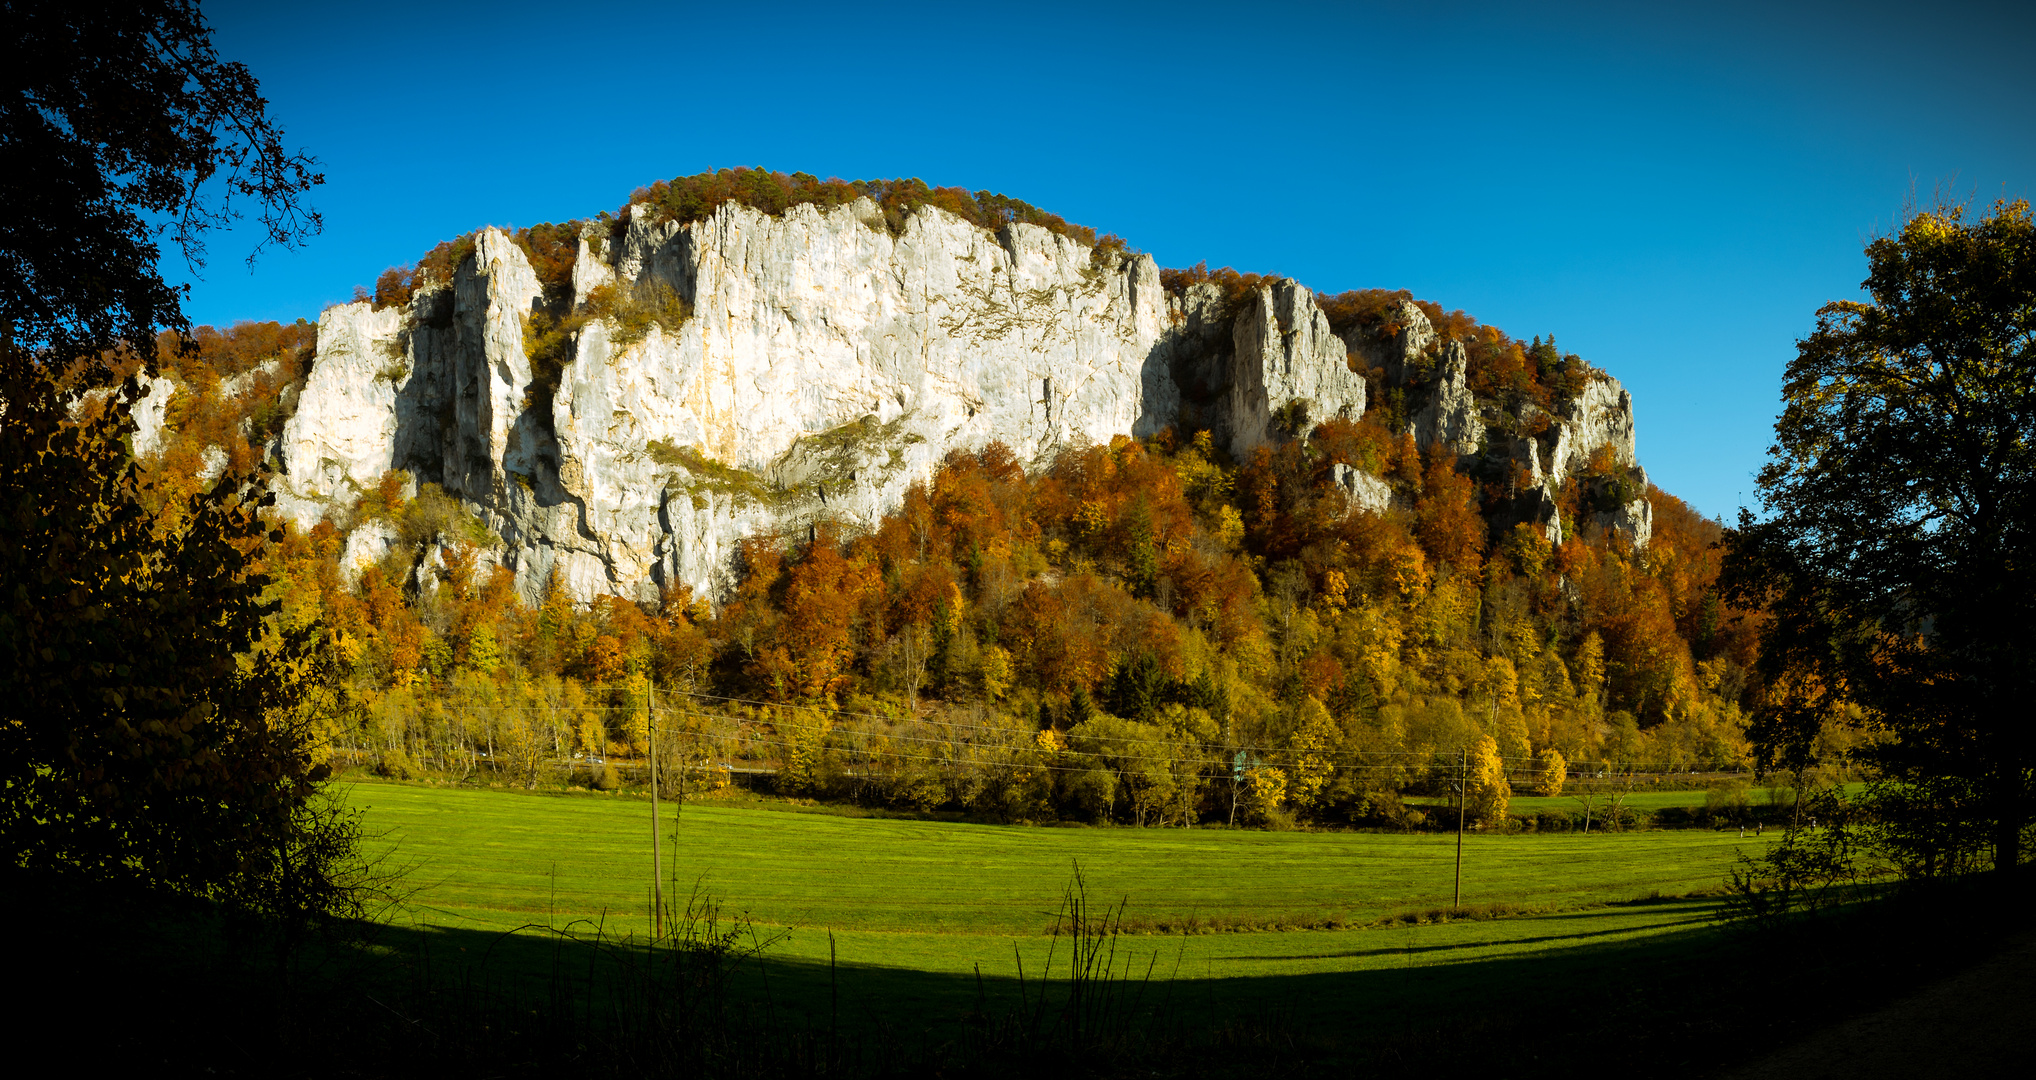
(1897,554)
(153,728)
(120,124)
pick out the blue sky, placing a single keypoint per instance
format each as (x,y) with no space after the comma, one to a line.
(1669,190)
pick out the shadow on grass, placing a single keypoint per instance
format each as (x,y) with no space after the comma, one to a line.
(878,1019)
(1411,949)
(197,992)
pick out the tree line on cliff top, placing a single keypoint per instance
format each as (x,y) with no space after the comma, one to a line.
(1500,368)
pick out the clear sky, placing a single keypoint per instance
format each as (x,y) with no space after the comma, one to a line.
(1671,191)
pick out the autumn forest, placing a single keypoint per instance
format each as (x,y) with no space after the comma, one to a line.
(1146,632)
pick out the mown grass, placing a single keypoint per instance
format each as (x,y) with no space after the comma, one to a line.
(886,918)
(944,897)
(903,939)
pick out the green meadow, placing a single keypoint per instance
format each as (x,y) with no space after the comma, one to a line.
(916,908)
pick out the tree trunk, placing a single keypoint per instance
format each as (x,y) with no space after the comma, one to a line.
(2007,817)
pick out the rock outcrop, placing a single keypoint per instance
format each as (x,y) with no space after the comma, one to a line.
(1288,369)
(1400,354)
(826,364)
(1451,418)
(1601,416)
(149,415)
(1364,492)
(365,546)
(752,373)
(1450,415)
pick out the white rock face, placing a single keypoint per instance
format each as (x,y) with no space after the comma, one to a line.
(1286,353)
(1635,519)
(1447,413)
(243,382)
(1364,492)
(1451,417)
(212,464)
(1600,416)
(820,364)
(365,546)
(590,266)
(830,361)
(1538,494)
(149,415)
(839,363)
(344,429)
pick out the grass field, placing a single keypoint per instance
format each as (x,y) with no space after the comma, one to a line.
(902,942)
(942,899)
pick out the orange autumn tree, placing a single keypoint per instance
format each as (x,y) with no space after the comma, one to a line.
(815,639)
(1449,525)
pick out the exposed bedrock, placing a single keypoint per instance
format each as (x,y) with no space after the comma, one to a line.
(804,366)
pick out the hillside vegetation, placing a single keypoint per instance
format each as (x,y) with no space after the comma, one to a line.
(1147,632)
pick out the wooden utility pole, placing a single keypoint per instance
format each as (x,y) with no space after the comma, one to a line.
(657,870)
(1462,797)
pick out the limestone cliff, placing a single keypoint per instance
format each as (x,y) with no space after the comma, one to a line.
(752,373)
(1288,368)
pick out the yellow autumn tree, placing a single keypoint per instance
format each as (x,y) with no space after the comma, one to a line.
(634,698)
(1504,720)
(1373,636)
(1554,770)
(1313,742)
(1265,790)
(1590,672)
(593,737)
(804,734)
(1486,791)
